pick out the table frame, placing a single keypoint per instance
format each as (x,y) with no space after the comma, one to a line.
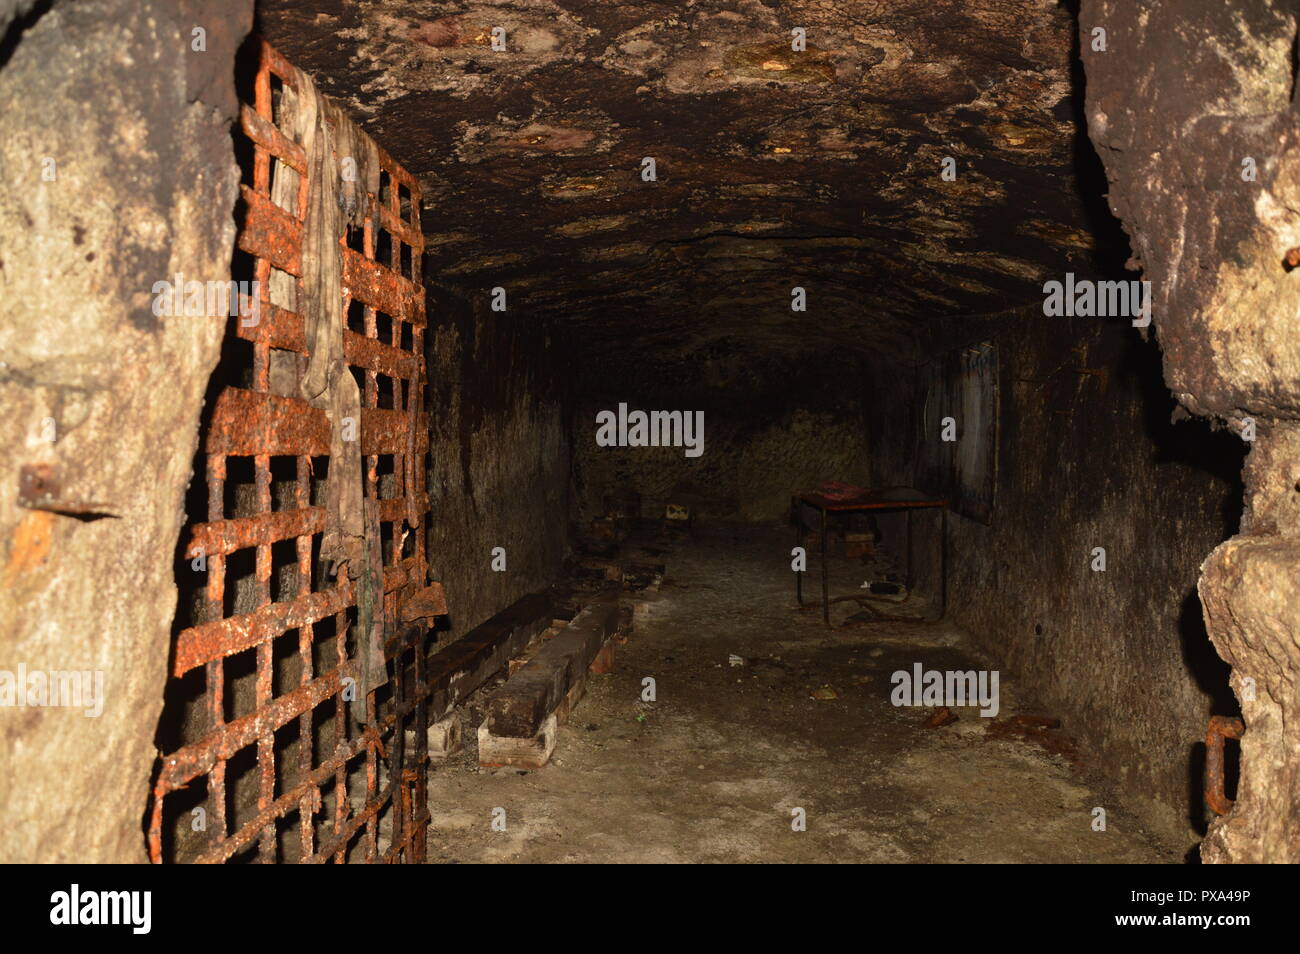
(867,502)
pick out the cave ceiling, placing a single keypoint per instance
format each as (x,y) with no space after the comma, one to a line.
(774,168)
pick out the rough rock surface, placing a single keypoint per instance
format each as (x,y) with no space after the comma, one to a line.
(115,145)
(1089,458)
(748,470)
(692,778)
(775,168)
(1205,175)
(1217,83)
(500,460)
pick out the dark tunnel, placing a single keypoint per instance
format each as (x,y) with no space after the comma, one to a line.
(726,431)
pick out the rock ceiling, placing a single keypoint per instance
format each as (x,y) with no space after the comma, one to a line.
(775,168)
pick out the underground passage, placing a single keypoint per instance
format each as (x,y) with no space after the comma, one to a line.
(727,431)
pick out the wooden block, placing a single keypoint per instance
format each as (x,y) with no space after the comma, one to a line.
(533,752)
(445,737)
(597,568)
(460,668)
(519,707)
(642,611)
(571,699)
(603,664)
(623,504)
(643,576)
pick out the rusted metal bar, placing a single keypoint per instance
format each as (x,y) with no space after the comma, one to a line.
(265,134)
(246,423)
(278,598)
(240,533)
(286,330)
(309,794)
(188,763)
(1219,728)
(376,356)
(287,801)
(399,228)
(382,288)
(273,61)
(270,233)
(219,638)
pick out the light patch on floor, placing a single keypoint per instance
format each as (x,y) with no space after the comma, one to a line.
(714,769)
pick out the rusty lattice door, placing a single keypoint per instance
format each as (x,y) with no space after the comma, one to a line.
(263,756)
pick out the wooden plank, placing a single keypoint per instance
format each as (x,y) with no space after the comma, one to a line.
(459,669)
(520,707)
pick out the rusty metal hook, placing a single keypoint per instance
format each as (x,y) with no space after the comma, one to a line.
(1220,728)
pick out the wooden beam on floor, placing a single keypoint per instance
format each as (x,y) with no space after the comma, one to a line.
(520,708)
(461,668)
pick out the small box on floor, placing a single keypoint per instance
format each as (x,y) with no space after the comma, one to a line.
(678,520)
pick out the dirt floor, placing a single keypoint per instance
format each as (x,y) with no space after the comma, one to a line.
(714,769)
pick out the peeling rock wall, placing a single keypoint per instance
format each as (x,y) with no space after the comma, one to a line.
(777,164)
(1193,110)
(1088,457)
(500,458)
(119,173)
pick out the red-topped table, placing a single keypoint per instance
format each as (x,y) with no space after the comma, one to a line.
(892,499)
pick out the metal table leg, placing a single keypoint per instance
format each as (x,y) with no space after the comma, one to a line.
(826,585)
(797,520)
(943,567)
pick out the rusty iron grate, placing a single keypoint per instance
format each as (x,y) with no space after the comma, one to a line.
(263,762)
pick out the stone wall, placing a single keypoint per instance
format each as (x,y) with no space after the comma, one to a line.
(748,470)
(115,141)
(500,458)
(771,428)
(1088,457)
(1204,167)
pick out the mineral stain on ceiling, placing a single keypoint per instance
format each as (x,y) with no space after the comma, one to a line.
(775,167)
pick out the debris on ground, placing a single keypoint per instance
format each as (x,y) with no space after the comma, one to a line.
(940,717)
(1043,731)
